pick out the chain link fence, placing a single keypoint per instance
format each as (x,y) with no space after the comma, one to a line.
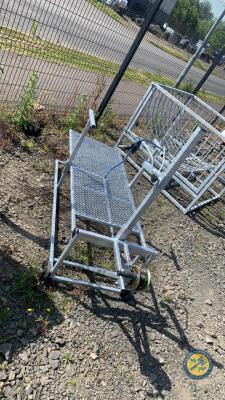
(76,48)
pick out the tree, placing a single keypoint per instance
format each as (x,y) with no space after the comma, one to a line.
(184,18)
(203,27)
(190,17)
(205,10)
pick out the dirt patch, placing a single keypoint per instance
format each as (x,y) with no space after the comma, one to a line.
(74,344)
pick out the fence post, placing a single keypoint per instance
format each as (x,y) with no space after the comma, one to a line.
(210,70)
(144,27)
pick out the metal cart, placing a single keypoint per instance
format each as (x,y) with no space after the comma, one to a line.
(101,196)
(167,116)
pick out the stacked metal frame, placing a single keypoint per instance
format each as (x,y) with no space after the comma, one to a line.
(168,116)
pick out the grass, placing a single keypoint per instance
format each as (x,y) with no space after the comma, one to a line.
(5,314)
(106,9)
(68,359)
(28,287)
(168,298)
(27,45)
(184,57)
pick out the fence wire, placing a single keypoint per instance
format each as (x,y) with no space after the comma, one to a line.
(76,48)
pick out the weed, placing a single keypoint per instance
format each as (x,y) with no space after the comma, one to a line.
(74,120)
(72,382)
(34,27)
(68,359)
(23,116)
(188,86)
(42,166)
(183,296)
(168,298)
(48,51)
(6,134)
(28,286)
(5,314)
(27,145)
(106,265)
(106,9)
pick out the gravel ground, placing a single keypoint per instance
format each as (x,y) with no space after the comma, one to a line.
(58,343)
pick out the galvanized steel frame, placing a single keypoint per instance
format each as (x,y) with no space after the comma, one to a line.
(118,242)
(216,172)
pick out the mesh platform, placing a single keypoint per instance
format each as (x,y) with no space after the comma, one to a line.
(106,200)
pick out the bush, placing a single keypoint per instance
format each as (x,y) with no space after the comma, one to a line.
(24,113)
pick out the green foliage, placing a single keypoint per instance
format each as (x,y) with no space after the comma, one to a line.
(74,119)
(5,314)
(185,17)
(34,28)
(22,118)
(27,285)
(72,382)
(68,359)
(106,9)
(27,145)
(192,17)
(203,27)
(204,8)
(168,298)
(218,39)
(188,86)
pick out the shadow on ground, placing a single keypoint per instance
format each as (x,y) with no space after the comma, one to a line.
(211,218)
(141,319)
(27,310)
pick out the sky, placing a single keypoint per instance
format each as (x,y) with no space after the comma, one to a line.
(218,6)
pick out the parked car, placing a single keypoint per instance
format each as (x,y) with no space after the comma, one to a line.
(119,6)
(155,29)
(184,42)
(139,21)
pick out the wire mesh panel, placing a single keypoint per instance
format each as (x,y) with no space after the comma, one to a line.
(76,47)
(164,120)
(98,195)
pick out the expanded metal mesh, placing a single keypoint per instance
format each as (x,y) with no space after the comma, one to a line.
(97,196)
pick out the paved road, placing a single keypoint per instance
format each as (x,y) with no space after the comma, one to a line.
(80,25)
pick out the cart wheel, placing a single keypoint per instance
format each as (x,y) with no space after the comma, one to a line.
(141,281)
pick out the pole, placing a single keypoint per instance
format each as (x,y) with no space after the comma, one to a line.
(198,52)
(210,70)
(216,118)
(144,27)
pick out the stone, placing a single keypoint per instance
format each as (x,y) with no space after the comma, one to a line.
(153,377)
(163,393)
(28,390)
(54,354)
(60,341)
(3,376)
(161,361)
(93,356)
(54,364)
(6,349)
(208,302)
(24,357)
(20,332)
(208,340)
(141,396)
(24,341)
(12,376)
(137,387)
